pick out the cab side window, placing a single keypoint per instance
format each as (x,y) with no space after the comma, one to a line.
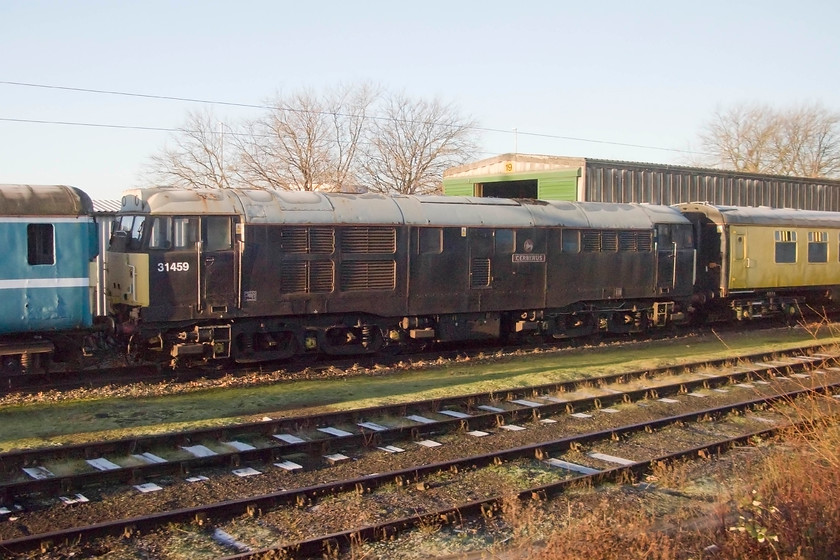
(217,235)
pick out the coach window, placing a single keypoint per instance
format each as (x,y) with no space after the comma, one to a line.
(40,244)
(817,246)
(571,241)
(216,233)
(785,246)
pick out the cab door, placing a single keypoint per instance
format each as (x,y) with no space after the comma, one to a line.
(219,282)
(675,256)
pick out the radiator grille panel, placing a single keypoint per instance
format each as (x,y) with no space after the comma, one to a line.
(368,275)
(368,240)
(609,241)
(305,277)
(304,240)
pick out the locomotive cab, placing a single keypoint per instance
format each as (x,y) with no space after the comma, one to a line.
(179,269)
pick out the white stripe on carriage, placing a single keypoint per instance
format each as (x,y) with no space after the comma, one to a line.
(45,283)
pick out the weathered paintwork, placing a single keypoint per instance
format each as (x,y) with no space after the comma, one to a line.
(53,292)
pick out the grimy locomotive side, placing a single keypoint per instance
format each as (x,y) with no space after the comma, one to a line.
(254,275)
(258,275)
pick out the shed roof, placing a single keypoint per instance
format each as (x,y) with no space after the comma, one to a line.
(530,163)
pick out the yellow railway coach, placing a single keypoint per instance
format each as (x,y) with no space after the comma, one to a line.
(765,260)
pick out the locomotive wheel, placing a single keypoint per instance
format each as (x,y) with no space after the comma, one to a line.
(135,350)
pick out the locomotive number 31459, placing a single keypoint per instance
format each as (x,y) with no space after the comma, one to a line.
(173,267)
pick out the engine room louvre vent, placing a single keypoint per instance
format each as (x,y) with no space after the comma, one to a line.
(644,241)
(322,241)
(591,241)
(627,241)
(480,273)
(293,277)
(307,240)
(321,276)
(369,240)
(307,277)
(368,275)
(609,241)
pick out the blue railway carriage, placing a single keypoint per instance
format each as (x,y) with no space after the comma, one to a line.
(760,261)
(49,240)
(253,275)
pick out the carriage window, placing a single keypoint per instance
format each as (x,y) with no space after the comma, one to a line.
(785,246)
(40,244)
(817,246)
(184,232)
(217,233)
(571,241)
(431,241)
(504,241)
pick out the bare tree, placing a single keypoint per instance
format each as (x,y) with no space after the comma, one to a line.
(307,142)
(803,141)
(342,140)
(411,143)
(197,158)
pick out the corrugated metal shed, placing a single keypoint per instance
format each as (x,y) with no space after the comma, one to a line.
(594,180)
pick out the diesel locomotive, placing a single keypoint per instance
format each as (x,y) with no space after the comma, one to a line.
(195,276)
(253,275)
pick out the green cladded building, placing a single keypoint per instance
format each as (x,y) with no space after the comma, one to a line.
(596,180)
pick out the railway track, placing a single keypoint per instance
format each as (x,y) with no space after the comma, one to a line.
(139,459)
(322,440)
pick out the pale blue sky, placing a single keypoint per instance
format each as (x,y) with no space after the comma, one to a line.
(644,72)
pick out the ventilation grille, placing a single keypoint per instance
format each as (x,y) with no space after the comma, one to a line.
(480,273)
(591,241)
(307,240)
(635,241)
(627,241)
(369,240)
(368,275)
(609,241)
(307,277)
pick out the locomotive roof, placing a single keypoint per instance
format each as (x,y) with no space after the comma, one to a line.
(763,215)
(260,206)
(43,200)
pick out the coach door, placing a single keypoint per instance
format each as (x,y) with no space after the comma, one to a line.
(739,266)
(218,283)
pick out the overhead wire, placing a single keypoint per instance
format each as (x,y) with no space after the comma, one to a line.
(266,106)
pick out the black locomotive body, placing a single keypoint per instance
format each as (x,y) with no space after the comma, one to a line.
(257,275)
